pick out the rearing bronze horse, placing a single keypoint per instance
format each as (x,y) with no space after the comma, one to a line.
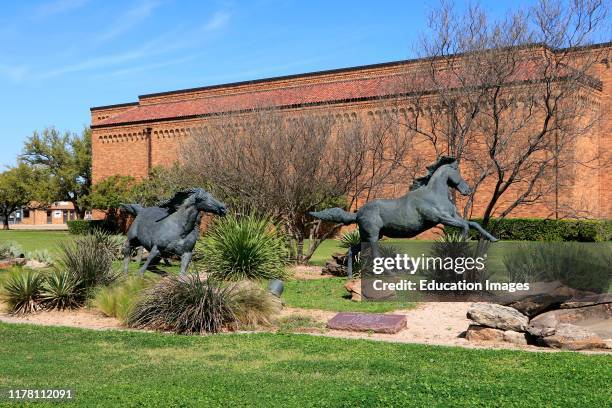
(423,207)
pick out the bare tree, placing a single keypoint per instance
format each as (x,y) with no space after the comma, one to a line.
(510,99)
(289,163)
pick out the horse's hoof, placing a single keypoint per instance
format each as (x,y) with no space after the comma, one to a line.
(494,239)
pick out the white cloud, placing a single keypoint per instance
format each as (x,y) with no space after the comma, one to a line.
(57,7)
(128,20)
(217,21)
(15,73)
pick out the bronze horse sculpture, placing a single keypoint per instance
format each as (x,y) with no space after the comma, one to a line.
(426,205)
(171,227)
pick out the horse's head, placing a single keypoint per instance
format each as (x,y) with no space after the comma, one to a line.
(454,179)
(198,197)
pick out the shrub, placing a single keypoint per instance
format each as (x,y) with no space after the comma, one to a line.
(60,291)
(350,239)
(40,255)
(252,305)
(117,300)
(21,291)
(536,229)
(10,249)
(573,264)
(81,227)
(190,305)
(186,305)
(89,260)
(243,247)
(454,245)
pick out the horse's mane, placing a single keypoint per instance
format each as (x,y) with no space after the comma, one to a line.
(431,169)
(177,199)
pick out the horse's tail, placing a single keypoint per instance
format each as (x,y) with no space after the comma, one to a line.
(133,209)
(337,215)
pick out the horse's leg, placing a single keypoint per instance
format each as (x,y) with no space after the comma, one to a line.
(139,255)
(152,254)
(185,259)
(127,253)
(457,222)
(482,231)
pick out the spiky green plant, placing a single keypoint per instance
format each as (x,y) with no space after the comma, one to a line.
(89,260)
(350,239)
(21,291)
(186,305)
(40,255)
(10,249)
(61,291)
(243,247)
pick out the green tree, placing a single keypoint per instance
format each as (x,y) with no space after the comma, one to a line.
(109,193)
(67,160)
(162,183)
(17,190)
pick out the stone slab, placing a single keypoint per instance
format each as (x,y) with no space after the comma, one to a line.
(366,322)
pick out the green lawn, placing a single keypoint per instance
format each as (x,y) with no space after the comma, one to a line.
(129,369)
(330,294)
(33,240)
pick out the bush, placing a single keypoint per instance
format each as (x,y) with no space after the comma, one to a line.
(60,291)
(21,291)
(190,305)
(81,227)
(89,260)
(350,239)
(40,255)
(454,245)
(10,249)
(573,264)
(245,247)
(117,300)
(536,229)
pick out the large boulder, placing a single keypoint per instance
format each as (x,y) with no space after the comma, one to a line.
(572,337)
(482,333)
(337,266)
(596,318)
(497,316)
(354,289)
(588,300)
(545,296)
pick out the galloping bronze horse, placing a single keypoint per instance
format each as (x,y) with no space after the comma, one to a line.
(423,207)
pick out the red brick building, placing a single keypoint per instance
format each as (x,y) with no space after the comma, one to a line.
(130,138)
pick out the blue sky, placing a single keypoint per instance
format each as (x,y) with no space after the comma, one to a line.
(60,57)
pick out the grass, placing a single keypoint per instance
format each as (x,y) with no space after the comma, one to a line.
(129,369)
(330,294)
(33,240)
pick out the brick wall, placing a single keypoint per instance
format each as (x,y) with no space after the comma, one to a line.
(131,149)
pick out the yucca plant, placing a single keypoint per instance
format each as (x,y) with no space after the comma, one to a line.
(10,249)
(40,255)
(21,291)
(350,239)
(89,260)
(186,305)
(61,291)
(243,247)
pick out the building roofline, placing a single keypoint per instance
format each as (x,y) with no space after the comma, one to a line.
(118,105)
(323,72)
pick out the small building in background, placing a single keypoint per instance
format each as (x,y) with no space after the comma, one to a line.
(57,215)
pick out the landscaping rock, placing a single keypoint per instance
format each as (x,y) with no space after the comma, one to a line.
(9,263)
(354,288)
(33,264)
(514,337)
(337,266)
(366,322)
(588,300)
(534,304)
(497,316)
(482,333)
(596,318)
(572,337)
